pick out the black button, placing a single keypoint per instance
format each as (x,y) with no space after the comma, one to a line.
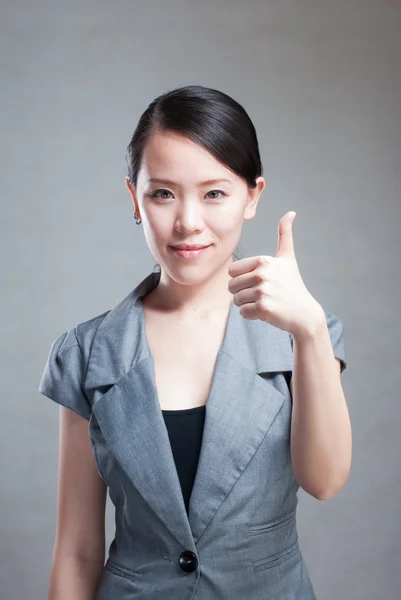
(188,561)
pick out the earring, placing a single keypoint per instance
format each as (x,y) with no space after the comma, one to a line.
(137,221)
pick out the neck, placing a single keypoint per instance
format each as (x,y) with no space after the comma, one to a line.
(192,298)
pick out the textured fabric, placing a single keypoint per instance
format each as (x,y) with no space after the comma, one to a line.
(238,540)
(64,375)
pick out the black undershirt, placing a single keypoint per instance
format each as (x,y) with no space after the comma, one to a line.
(185,430)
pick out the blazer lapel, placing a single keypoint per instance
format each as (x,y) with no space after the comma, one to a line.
(240,410)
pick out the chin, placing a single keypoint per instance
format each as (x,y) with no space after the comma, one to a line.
(193,274)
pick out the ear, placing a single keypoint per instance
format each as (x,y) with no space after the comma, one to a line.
(253,198)
(133,195)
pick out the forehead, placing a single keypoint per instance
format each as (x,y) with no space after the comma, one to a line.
(170,155)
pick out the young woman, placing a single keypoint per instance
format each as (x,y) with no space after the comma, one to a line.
(207,396)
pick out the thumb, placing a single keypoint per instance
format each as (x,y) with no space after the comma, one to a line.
(285,245)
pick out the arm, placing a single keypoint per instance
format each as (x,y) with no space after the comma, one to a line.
(79,549)
(321,443)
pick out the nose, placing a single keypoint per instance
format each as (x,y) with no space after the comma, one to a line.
(189,217)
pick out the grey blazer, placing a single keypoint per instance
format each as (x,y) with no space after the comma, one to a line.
(239,540)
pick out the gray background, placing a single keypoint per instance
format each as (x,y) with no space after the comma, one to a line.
(321,81)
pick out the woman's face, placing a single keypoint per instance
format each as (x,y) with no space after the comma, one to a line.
(182,208)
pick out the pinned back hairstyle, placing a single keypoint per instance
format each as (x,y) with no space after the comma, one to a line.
(209,118)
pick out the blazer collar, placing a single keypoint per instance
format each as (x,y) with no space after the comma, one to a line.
(120,341)
(240,410)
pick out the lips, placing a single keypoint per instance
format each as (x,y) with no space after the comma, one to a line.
(186,247)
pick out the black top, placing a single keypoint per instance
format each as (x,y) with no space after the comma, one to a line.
(185,430)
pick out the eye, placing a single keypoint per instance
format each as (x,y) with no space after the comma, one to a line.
(218,191)
(156,193)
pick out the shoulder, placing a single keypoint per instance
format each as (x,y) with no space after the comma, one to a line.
(65,368)
(79,336)
(85,331)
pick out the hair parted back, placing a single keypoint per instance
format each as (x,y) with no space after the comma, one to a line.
(209,118)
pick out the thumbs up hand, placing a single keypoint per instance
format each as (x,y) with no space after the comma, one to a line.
(271,288)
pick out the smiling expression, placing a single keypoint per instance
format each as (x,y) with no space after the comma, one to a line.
(185,196)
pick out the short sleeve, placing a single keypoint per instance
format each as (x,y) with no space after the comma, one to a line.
(63,375)
(336,333)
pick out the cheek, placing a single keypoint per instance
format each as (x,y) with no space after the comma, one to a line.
(227,223)
(157,227)
(155,234)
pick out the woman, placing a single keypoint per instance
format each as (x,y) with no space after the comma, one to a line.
(187,385)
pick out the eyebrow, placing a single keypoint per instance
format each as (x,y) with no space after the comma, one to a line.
(169,182)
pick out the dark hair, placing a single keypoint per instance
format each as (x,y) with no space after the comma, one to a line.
(209,118)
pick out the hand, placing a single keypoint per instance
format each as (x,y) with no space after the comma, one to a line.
(271,288)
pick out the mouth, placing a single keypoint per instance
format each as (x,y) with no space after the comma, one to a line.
(189,251)
(190,246)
